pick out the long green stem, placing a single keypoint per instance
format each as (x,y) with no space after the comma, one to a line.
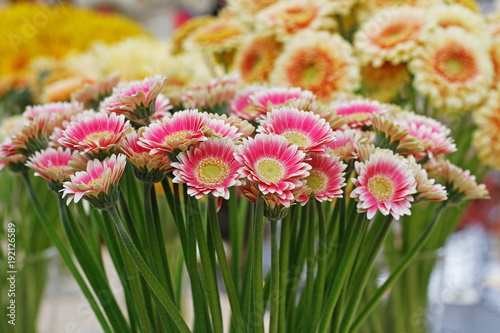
(398,270)
(275,279)
(235,230)
(322,260)
(224,267)
(147,273)
(283,266)
(64,253)
(258,292)
(310,264)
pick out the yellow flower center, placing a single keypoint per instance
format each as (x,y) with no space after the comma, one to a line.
(455,63)
(95,181)
(270,170)
(175,136)
(297,138)
(381,187)
(96,136)
(316,181)
(212,171)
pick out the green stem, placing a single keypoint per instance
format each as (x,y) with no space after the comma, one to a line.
(310,264)
(258,298)
(275,279)
(399,269)
(147,273)
(235,230)
(224,267)
(283,267)
(321,259)
(64,253)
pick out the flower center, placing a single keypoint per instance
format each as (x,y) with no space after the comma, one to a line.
(175,136)
(270,170)
(316,181)
(395,33)
(455,63)
(96,136)
(298,17)
(296,137)
(212,171)
(381,187)
(95,181)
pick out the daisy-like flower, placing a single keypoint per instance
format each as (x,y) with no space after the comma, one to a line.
(305,129)
(454,15)
(433,136)
(57,113)
(358,112)
(91,94)
(11,159)
(319,62)
(277,167)
(460,184)
(385,183)
(345,144)
(33,136)
(147,168)
(393,36)
(162,107)
(222,34)
(486,139)
(221,127)
(256,57)
(209,168)
(95,135)
(385,82)
(52,164)
(427,188)
(245,129)
(186,29)
(98,184)
(287,18)
(389,135)
(176,134)
(454,70)
(12,125)
(326,112)
(325,180)
(61,90)
(136,99)
(254,104)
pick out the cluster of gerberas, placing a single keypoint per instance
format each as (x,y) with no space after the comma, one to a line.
(302,149)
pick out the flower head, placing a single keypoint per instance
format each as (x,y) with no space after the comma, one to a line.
(427,188)
(95,135)
(385,183)
(325,180)
(221,127)
(162,107)
(91,95)
(319,62)
(221,34)
(136,99)
(486,139)
(303,128)
(275,166)
(33,136)
(345,144)
(147,167)
(358,111)
(11,159)
(98,184)
(208,168)
(175,134)
(52,164)
(454,70)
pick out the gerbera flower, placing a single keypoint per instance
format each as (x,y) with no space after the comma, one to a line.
(52,164)
(221,128)
(385,82)
(460,184)
(319,62)
(209,168)
(136,99)
(486,139)
(33,136)
(345,144)
(244,128)
(91,94)
(11,159)
(61,90)
(427,188)
(302,128)
(325,180)
(256,57)
(176,134)
(454,70)
(162,107)
(57,113)
(277,167)
(433,136)
(95,135)
(286,18)
(393,37)
(98,184)
(384,183)
(185,30)
(222,34)
(326,112)
(358,112)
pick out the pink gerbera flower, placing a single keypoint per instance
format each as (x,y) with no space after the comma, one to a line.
(208,168)
(10,158)
(57,113)
(96,134)
(385,183)
(148,168)
(98,184)
(433,135)
(162,107)
(33,136)
(175,134)
(358,111)
(325,180)
(275,166)
(345,143)
(303,128)
(265,100)
(52,164)
(222,128)
(240,105)
(136,99)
